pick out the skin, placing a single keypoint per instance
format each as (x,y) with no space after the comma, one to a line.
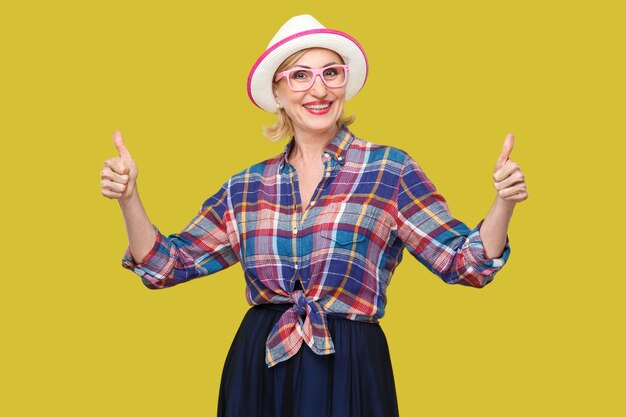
(510,185)
(119,182)
(312,134)
(310,128)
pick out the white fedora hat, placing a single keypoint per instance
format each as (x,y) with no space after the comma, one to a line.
(302,32)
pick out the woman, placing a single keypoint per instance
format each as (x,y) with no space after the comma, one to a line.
(318,230)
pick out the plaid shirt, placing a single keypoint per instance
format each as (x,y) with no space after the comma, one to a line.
(372,202)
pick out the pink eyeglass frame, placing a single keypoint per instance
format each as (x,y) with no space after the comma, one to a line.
(316,72)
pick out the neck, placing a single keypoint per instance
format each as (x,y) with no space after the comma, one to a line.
(308,145)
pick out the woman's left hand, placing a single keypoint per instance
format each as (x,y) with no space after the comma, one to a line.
(508,178)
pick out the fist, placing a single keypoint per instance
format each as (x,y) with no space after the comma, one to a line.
(508,178)
(119,175)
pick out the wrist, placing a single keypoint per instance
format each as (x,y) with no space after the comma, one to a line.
(504,204)
(132,198)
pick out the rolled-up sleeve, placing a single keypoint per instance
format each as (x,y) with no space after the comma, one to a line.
(443,244)
(202,248)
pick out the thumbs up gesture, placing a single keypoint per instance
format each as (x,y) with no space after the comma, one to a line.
(508,178)
(119,175)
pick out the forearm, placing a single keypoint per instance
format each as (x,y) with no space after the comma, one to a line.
(493,231)
(141,233)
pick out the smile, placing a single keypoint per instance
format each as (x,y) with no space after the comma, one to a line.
(318,108)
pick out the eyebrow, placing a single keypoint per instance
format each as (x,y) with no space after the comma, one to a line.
(327,65)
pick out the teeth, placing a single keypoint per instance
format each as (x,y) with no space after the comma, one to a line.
(317,106)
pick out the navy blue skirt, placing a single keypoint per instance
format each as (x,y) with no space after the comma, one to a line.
(355,381)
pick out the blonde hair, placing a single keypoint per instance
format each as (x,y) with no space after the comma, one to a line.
(283,127)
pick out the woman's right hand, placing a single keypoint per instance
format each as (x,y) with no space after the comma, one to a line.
(119,175)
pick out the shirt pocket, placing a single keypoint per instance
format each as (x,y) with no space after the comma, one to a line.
(345,223)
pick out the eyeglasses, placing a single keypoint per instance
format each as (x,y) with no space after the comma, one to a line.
(301,79)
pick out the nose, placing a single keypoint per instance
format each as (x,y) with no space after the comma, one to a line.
(318,89)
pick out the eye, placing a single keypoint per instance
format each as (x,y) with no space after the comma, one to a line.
(300,75)
(331,72)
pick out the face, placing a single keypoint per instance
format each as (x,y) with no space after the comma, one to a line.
(299,106)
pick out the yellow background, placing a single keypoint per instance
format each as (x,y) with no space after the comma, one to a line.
(448,80)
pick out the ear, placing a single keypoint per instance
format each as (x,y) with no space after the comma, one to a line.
(276,98)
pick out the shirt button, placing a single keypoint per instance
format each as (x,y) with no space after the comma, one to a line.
(295,266)
(312,202)
(295,230)
(326,155)
(327,174)
(340,158)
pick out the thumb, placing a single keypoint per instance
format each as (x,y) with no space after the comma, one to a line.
(506,150)
(119,144)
